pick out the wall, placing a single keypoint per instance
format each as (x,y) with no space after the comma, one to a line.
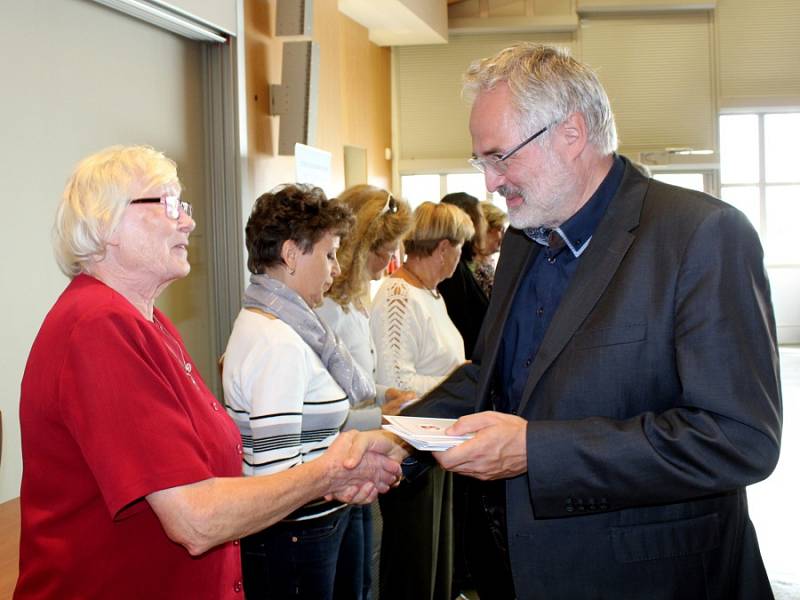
(120,81)
(668,72)
(221,15)
(354,97)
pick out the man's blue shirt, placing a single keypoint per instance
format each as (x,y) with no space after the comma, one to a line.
(542,287)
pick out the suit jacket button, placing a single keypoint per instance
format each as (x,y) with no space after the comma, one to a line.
(569,508)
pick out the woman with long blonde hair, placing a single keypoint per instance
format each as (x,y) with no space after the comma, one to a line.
(380,222)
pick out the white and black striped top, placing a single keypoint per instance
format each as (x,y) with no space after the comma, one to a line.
(287,406)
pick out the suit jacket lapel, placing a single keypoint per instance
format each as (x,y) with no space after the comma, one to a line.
(609,244)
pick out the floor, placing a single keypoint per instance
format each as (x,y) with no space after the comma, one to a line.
(773,503)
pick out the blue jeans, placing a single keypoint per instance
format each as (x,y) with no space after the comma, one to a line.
(315,559)
(364,514)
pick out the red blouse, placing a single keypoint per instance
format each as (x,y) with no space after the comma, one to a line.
(109,415)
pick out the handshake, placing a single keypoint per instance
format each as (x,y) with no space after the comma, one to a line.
(362,464)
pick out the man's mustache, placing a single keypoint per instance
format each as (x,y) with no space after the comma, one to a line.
(505,191)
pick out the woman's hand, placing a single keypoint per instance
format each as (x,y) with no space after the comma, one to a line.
(396,400)
(363,464)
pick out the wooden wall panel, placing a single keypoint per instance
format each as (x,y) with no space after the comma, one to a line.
(354,96)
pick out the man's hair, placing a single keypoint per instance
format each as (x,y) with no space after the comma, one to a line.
(546,85)
(380,220)
(434,223)
(296,212)
(97,193)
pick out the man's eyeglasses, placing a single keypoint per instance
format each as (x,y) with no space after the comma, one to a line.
(173,205)
(496,162)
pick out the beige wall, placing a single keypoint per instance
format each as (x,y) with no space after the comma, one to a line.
(354,96)
(668,73)
(121,81)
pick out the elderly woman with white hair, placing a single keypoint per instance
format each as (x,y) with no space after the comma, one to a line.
(132,482)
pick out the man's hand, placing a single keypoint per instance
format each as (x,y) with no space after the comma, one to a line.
(497,451)
(362,465)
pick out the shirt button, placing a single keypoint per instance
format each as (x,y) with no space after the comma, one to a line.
(237,587)
(215,406)
(235,542)
(294,539)
(238,448)
(528,362)
(540,311)
(551,259)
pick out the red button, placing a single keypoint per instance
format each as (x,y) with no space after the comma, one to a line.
(237,587)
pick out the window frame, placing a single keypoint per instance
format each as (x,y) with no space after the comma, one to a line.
(762,184)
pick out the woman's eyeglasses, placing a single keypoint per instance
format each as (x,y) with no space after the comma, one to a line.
(390,207)
(173,205)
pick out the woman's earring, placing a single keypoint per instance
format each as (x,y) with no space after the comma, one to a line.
(291,270)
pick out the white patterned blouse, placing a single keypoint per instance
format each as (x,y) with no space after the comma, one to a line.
(417,344)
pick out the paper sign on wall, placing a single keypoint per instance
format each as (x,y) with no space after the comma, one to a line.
(313,166)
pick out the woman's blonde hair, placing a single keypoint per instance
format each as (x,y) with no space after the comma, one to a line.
(434,223)
(494,215)
(95,196)
(380,219)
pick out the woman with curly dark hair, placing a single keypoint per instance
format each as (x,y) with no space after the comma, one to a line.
(288,385)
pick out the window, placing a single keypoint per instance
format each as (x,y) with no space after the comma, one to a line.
(692,181)
(761,177)
(471,183)
(417,189)
(430,187)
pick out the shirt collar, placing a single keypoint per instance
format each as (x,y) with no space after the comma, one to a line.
(577,231)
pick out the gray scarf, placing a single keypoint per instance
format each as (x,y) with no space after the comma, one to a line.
(275,298)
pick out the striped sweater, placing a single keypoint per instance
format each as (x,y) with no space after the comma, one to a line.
(287,406)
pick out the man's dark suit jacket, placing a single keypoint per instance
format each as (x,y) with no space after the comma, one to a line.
(653,401)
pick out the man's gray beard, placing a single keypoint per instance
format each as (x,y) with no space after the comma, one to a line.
(522,217)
